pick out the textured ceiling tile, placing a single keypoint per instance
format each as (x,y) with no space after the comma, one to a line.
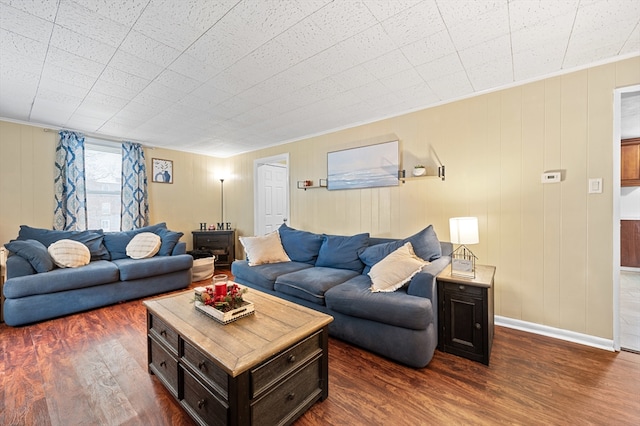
(383,9)
(486,24)
(54,73)
(524,14)
(158,95)
(372,90)
(266,61)
(16,44)
(199,14)
(15,104)
(552,32)
(291,79)
(43,8)
(121,78)
(491,50)
(79,121)
(441,67)
(194,68)
(45,110)
(429,48)
(25,24)
(355,77)
(72,42)
(451,86)
(80,20)
(388,64)
(78,64)
(414,23)
(632,44)
(270,17)
(491,74)
(157,23)
(305,38)
(537,61)
(107,101)
(402,80)
(125,12)
(149,49)
(175,80)
(343,19)
(109,88)
(131,64)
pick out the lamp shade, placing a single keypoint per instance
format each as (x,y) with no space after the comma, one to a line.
(464,230)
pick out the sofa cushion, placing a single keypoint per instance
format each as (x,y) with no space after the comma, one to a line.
(95,273)
(131,269)
(34,252)
(311,284)
(395,270)
(116,242)
(426,244)
(301,246)
(374,254)
(69,254)
(263,275)
(169,241)
(354,298)
(93,239)
(143,245)
(264,249)
(342,252)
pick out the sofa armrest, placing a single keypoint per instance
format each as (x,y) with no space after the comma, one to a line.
(423,284)
(18,266)
(180,248)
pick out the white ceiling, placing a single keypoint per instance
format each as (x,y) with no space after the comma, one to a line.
(228,76)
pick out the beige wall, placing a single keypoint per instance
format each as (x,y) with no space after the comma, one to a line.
(27,157)
(552,244)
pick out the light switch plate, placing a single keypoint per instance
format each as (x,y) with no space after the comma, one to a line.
(595,186)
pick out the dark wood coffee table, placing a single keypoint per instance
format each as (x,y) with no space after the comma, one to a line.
(267,368)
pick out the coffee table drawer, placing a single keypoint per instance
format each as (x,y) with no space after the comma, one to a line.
(164,366)
(201,403)
(163,333)
(274,370)
(208,371)
(290,398)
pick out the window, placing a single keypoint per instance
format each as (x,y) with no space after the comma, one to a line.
(103,166)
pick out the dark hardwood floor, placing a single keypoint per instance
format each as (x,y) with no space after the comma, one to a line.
(90,369)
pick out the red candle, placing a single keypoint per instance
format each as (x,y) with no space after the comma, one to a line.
(221,289)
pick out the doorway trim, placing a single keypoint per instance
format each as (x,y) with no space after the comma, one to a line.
(615,179)
(279,159)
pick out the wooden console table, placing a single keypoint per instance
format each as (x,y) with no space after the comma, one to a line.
(221,243)
(267,368)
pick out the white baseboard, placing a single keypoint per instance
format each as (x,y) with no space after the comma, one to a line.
(557,333)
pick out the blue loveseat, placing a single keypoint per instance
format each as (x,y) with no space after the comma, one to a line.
(36,290)
(329,273)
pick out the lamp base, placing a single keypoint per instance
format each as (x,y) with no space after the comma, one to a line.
(463,262)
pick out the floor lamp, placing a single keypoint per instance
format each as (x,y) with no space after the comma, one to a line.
(222,200)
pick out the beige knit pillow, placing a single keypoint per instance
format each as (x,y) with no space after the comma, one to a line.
(264,249)
(69,253)
(396,269)
(144,245)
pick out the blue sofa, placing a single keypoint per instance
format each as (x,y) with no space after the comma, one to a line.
(36,290)
(329,273)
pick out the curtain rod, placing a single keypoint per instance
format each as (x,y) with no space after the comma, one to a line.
(95,136)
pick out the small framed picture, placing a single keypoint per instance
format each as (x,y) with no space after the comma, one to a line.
(162,171)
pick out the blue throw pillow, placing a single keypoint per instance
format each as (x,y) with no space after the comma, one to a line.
(116,242)
(374,254)
(169,241)
(342,252)
(426,244)
(33,251)
(93,239)
(301,246)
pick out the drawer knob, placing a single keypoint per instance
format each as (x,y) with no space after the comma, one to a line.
(461,288)
(163,333)
(291,396)
(292,358)
(163,364)
(478,326)
(202,403)
(202,365)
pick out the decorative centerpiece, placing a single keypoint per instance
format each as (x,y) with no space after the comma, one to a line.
(223,303)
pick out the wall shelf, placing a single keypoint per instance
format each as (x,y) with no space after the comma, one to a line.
(403,178)
(304,184)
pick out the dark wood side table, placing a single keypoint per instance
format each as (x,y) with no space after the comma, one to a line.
(465,313)
(222,243)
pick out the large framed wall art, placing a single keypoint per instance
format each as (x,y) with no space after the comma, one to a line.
(364,167)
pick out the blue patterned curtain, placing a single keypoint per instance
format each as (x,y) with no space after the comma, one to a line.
(70,212)
(135,207)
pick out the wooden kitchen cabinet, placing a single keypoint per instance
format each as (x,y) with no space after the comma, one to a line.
(630,243)
(630,162)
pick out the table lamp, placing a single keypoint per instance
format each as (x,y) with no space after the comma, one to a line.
(463,230)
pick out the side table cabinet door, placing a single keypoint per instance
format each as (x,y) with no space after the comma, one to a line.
(464,324)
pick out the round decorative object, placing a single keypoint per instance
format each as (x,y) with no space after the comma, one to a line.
(419,171)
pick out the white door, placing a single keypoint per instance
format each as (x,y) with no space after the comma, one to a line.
(271,194)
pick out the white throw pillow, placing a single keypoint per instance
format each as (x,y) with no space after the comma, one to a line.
(396,269)
(69,253)
(264,249)
(144,245)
